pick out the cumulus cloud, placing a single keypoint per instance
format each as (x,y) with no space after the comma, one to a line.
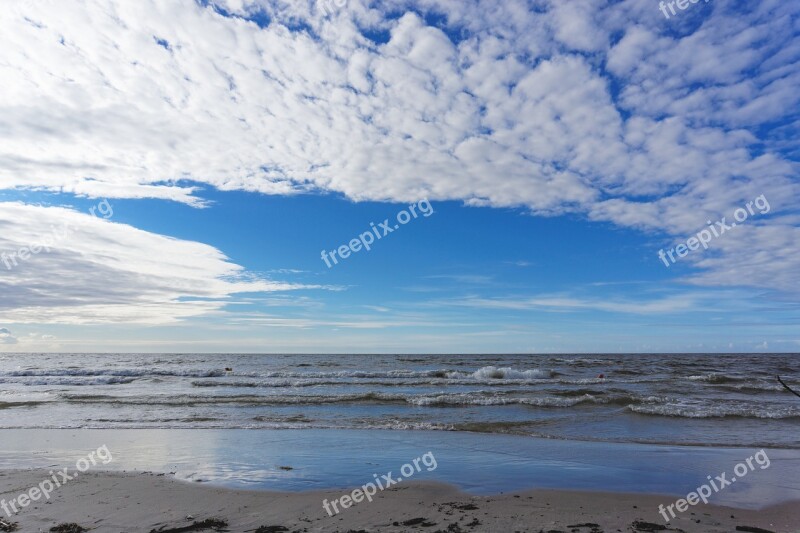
(590,107)
(58,265)
(6,337)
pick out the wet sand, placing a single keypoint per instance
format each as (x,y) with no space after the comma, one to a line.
(478,464)
(107,502)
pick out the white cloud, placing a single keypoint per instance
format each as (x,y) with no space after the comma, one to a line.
(669,304)
(80,269)
(6,337)
(575,25)
(606,110)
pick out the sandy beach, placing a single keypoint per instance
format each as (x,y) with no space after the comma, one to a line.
(171,480)
(125,502)
(364,266)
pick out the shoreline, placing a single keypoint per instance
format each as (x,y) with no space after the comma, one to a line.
(107,502)
(544,437)
(479,464)
(155,479)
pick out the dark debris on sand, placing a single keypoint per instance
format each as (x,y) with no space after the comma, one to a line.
(641,525)
(751,529)
(463,506)
(272,529)
(68,528)
(212,523)
(593,528)
(8,526)
(423,522)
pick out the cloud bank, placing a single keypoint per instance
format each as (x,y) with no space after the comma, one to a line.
(602,109)
(81,269)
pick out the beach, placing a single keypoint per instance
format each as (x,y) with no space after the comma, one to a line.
(125,443)
(155,479)
(358,266)
(119,503)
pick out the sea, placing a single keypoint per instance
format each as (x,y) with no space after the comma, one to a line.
(675,399)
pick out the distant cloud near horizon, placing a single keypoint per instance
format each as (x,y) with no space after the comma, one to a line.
(6,337)
(103,272)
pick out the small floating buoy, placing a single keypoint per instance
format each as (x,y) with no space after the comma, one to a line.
(228,369)
(601,376)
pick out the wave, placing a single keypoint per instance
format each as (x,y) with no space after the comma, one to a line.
(715,411)
(212,423)
(585,381)
(247,400)
(467,399)
(124,372)
(275,383)
(487,373)
(751,388)
(476,398)
(300,383)
(71,381)
(492,372)
(377,382)
(24,403)
(716,378)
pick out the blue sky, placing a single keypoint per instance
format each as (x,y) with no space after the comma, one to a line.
(561,145)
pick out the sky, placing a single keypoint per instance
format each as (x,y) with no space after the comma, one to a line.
(529,176)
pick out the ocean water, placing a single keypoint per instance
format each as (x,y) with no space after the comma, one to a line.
(702,400)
